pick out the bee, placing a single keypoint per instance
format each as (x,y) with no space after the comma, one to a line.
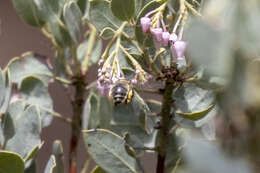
(121,92)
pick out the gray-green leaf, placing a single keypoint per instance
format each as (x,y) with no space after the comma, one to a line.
(72,16)
(28,12)
(35,93)
(123,10)
(97,112)
(108,151)
(21,67)
(5,90)
(27,129)
(102,17)
(189,99)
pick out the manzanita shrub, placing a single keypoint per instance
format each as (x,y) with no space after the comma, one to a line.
(198,61)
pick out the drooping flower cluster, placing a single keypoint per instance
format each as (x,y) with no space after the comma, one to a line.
(107,76)
(104,78)
(156,26)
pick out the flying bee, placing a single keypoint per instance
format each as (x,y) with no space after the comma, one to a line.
(121,92)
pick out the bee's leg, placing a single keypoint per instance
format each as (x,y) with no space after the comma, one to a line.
(129,96)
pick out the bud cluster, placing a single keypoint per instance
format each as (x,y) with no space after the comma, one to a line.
(163,38)
(141,77)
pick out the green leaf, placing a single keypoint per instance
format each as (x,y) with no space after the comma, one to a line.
(57,150)
(90,116)
(138,6)
(123,60)
(33,153)
(129,46)
(204,80)
(244,27)
(145,39)
(196,115)
(60,33)
(102,17)
(11,162)
(28,12)
(146,122)
(214,51)
(105,111)
(30,159)
(72,16)
(129,73)
(154,105)
(7,127)
(62,58)
(205,149)
(84,7)
(51,165)
(148,140)
(135,143)
(98,169)
(134,114)
(35,93)
(51,12)
(49,9)
(188,123)
(8,121)
(123,10)
(97,112)
(32,168)
(95,54)
(27,129)
(5,90)
(101,146)
(107,33)
(193,102)
(126,114)
(173,6)
(21,67)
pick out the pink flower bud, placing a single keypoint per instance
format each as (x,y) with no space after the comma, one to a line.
(145,24)
(157,33)
(173,38)
(178,49)
(165,38)
(134,81)
(100,62)
(101,78)
(149,77)
(114,79)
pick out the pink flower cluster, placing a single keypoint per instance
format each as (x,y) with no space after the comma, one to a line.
(104,78)
(163,37)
